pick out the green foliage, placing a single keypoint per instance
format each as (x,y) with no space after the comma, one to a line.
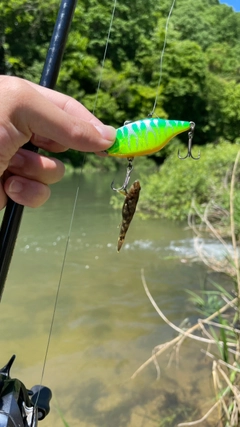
(209,301)
(206,22)
(95,163)
(25,28)
(223,336)
(181,412)
(201,45)
(168,192)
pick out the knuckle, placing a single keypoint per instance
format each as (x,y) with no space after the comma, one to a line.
(15,86)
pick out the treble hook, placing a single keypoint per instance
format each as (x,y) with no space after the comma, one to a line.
(123,189)
(190,138)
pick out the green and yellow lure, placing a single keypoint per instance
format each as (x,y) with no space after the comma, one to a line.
(145,136)
(141,138)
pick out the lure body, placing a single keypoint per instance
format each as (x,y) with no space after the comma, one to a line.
(145,136)
(128,210)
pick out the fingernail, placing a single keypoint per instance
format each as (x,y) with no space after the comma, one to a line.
(17,161)
(15,187)
(107,132)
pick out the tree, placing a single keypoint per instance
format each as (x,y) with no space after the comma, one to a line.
(200,71)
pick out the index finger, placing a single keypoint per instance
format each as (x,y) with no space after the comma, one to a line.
(67,104)
(33,112)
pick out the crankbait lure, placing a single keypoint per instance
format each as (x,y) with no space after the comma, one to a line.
(140,138)
(146,136)
(128,210)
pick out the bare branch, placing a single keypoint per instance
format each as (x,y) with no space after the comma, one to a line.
(183,333)
(234,242)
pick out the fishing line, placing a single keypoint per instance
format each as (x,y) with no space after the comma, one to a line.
(74,208)
(104,55)
(59,286)
(161,58)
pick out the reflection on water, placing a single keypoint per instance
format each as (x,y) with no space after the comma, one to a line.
(104,327)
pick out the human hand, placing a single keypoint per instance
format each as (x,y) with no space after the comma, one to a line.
(52,121)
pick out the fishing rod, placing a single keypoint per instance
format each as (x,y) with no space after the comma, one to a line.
(13,211)
(19,406)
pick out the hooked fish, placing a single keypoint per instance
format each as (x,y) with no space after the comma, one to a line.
(128,210)
(146,136)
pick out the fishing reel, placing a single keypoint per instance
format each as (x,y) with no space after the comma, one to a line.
(20,407)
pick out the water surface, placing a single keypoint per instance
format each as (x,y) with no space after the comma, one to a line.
(104,326)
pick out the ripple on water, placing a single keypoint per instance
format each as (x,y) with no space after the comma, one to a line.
(182,247)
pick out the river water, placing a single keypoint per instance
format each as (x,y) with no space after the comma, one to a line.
(104,326)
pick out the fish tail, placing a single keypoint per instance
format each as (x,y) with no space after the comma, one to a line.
(120,243)
(121,237)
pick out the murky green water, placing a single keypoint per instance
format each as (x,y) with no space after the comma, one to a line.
(105,326)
